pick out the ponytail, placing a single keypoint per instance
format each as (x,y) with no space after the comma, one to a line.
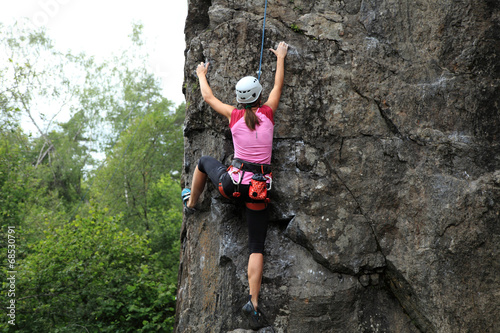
(250,118)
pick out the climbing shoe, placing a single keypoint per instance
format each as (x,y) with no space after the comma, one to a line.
(186,194)
(255,318)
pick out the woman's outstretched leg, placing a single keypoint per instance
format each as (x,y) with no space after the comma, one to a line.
(199,180)
(257,231)
(255,268)
(207,167)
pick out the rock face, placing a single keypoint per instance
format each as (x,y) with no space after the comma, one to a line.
(386,200)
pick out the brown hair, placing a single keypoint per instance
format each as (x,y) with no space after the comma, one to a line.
(250,118)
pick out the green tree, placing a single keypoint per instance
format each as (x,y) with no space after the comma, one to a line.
(165,219)
(35,81)
(14,175)
(108,269)
(150,148)
(25,198)
(93,275)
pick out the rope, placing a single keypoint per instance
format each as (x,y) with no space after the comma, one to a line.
(262,45)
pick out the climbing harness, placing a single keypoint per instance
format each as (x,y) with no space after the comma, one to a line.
(262,44)
(252,167)
(258,184)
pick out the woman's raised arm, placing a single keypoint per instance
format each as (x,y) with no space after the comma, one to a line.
(208,96)
(275,95)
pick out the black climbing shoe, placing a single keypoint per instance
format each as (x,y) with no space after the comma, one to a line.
(254,316)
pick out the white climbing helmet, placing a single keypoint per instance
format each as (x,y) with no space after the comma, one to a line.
(248,90)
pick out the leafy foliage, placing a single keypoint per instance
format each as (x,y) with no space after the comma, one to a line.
(113,267)
(92,273)
(150,149)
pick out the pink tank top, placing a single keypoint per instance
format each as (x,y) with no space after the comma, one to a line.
(252,146)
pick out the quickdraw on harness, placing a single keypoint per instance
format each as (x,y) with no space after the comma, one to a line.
(258,184)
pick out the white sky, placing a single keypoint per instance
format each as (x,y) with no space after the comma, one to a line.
(101,28)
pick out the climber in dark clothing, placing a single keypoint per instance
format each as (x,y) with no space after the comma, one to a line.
(249,176)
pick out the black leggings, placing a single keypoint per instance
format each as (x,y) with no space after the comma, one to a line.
(256,219)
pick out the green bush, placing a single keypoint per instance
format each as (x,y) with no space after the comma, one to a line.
(92,275)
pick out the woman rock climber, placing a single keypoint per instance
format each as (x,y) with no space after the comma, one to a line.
(252,130)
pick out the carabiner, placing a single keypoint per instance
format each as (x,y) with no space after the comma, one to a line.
(270,182)
(239,177)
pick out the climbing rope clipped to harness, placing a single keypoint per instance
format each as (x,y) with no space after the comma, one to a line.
(262,44)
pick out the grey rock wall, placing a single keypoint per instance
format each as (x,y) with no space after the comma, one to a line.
(386,200)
